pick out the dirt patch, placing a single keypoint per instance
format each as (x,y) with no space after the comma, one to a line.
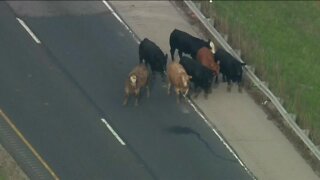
(260,99)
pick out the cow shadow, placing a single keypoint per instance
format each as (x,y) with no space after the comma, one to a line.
(180,130)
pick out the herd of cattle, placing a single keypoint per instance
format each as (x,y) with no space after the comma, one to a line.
(206,62)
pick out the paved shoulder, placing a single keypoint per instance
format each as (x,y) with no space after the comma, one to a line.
(258,142)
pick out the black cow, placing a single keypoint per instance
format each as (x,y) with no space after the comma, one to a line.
(230,68)
(153,56)
(201,76)
(186,43)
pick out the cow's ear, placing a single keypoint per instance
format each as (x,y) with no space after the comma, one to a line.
(190,77)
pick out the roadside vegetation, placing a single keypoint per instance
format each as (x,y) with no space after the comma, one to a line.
(281,40)
(2,174)
(1,177)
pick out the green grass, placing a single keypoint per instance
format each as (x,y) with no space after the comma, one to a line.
(2,174)
(281,39)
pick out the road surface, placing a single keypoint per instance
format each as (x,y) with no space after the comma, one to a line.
(59,86)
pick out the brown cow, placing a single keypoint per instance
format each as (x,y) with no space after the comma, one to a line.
(137,79)
(205,56)
(178,77)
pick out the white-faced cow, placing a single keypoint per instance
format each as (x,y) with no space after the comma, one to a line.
(153,56)
(201,76)
(178,77)
(137,79)
(230,68)
(186,43)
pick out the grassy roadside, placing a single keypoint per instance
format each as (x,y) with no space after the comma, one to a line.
(2,175)
(281,39)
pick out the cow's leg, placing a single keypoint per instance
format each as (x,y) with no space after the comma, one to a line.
(148,91)
(180,53)
(153,73)
(125,102)
(163,77)
(188,95)
(178,95)
(217,79)
(140,56)
(240,86)
(196,91)
(172,53)
(206,93)
(169,86)
(147,86)
(224,78)
(137,97)
(229,84)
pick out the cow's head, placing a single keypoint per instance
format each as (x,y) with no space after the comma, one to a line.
(133,80)
(164,64)
(212,46)
(239,72)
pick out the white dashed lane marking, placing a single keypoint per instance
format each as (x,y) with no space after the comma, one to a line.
(29,30)
(113,132)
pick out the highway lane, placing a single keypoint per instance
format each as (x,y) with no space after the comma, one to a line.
(97,52)
(54,115)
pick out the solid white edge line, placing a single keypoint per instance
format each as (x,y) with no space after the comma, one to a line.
(29,30)
(120,20)
(189,101)
(112,11)
(113,132)
(220,137)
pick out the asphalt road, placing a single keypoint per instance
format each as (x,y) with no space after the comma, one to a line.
(57,92)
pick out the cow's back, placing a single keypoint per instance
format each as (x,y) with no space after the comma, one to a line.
(186,42)
(192,67)
(228,64)
(181,40)
(206,58)
(201,75)
(146,48)
(152,55)
(175,71)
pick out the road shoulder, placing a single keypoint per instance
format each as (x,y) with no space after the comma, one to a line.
(258,142)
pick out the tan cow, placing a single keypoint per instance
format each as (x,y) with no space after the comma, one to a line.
(178,77)
(137,79)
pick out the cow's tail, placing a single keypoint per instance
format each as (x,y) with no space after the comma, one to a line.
(141,60)
(172,45)
(141,49)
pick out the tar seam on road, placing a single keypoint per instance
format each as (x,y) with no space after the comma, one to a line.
(6,118)
(189,101)
(220,137)
(29,30)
